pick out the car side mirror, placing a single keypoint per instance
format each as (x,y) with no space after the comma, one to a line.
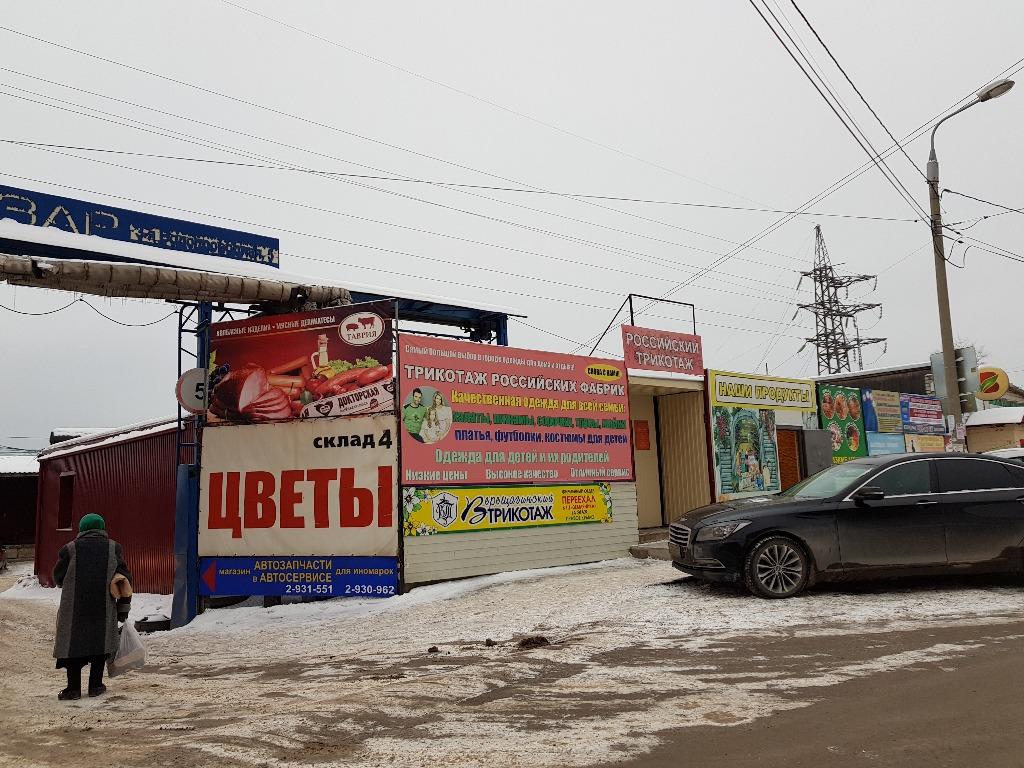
(868,493)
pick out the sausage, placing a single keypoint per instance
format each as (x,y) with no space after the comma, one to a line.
(374,374)
(344,378)
(292,365)
(335,387)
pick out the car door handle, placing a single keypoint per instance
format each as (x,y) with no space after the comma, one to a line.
(929,502)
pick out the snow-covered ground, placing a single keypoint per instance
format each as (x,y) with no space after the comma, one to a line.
(27,587)
(634,650)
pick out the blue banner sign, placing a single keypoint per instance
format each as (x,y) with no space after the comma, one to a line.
(284,575)
(884,443)
(82,218)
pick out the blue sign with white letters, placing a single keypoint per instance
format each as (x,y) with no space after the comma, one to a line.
(83,218)
(284,575)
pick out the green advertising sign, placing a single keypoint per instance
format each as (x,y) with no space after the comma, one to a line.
(840,411)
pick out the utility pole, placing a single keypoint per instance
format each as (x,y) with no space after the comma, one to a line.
(996,89)
(942,292)
(831,314)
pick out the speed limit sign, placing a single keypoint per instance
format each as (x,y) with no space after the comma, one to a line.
(191,390)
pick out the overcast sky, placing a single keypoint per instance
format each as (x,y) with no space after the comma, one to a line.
(692,102)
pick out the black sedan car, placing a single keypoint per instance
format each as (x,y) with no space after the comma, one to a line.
(877,517)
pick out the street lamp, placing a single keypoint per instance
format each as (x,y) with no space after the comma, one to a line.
(996,89)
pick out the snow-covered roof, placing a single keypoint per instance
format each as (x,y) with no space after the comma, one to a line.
(62,434)
(18,464)
(991,416)
(109,437)
(874,371)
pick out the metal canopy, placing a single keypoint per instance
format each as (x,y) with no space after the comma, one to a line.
(480,324)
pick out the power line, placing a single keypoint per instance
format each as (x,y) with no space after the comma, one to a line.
(94,309)
(857,90)
(851,127)
(435,182)
(331,211)
(483,100)
(168,133)
(515,292)
(327,126)
(1006,208)
(864,167)
(319,209)
(474,287)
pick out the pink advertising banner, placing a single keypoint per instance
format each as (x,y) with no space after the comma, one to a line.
(474,414)
(646,349)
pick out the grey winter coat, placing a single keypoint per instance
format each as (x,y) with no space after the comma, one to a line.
(87,618)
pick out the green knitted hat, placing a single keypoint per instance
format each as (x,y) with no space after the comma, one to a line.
(91,522)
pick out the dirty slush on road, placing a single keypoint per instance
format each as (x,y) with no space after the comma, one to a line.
(442,676)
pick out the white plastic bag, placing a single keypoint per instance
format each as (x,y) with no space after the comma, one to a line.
(131,653)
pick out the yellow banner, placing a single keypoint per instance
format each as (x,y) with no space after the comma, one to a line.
(427,511)
(746,390)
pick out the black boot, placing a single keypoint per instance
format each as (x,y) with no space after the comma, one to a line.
(74,689)
(96,686)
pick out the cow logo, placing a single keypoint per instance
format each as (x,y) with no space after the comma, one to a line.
(361,328)
(445,509)
(324,407)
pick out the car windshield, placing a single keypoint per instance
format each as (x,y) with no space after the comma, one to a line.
(828,482)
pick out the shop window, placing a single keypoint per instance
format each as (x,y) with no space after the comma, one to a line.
(65,501)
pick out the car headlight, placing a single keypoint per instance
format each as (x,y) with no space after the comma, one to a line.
(719,531)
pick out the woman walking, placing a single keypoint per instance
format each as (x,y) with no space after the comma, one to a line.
(95,594)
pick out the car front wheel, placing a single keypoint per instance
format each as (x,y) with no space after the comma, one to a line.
(776,567)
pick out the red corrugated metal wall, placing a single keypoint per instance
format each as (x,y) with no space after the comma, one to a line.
(132,484)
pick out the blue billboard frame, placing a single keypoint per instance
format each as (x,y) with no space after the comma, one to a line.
(80,217)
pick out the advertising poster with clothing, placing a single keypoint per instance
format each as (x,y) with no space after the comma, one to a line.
(429,511)
(473,414)
(745,452)
(840,411)
(331,362)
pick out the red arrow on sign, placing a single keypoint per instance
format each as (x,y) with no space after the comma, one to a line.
(210,577)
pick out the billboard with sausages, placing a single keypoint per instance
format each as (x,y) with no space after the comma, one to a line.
(326,363)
